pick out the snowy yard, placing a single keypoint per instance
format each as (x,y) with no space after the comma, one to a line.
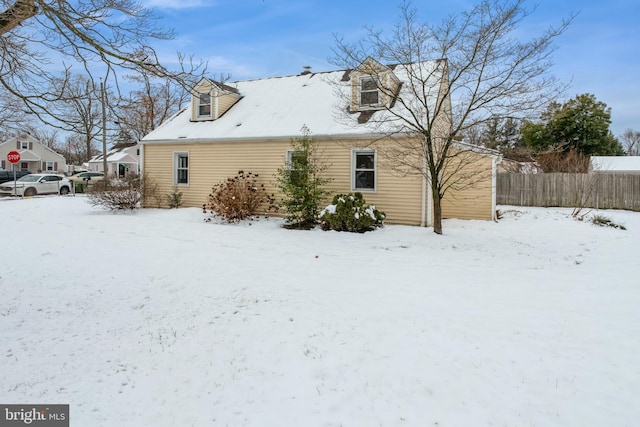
(156,318)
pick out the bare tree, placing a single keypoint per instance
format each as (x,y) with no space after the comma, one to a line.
(74,149)
(12,118)
(79,111)
(49,137)
(631,142)
(113,33)
(490,74)
(150,105)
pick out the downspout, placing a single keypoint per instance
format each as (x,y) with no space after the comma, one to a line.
(494,186)
(423,216)
(429,204)
(141,160)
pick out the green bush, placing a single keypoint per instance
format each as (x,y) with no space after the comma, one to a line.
(349,212)
(174,199)
(239,198)
(302,183)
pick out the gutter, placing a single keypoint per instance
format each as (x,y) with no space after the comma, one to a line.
(278,138)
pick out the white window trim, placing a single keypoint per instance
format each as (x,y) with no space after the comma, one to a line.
(50,164)
(177,154)
(24,145)
(289,157)
(198,104)
(354,154)
(362,106)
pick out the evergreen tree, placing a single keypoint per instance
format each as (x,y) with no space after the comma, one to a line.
(581,124)
(502,134)
(302,183)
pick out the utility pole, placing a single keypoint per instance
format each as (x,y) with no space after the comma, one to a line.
(104,132)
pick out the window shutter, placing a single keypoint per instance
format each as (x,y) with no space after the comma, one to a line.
(31,146)
(55,166)
(18,145)
(3,165)
(44,166)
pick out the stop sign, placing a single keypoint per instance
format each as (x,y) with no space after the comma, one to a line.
(13,157)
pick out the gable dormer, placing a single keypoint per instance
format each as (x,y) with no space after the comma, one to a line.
(211,99)
(373,86)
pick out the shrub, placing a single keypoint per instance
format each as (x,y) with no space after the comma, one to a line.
(238,198)
(174,199)
(351,213)
(301,183)
(117,194)
(604,221)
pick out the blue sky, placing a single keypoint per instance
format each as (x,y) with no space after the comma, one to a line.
(599,53)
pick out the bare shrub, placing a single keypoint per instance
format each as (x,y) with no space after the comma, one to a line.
(239,198)
(117,194)
(150,191)
(570,161)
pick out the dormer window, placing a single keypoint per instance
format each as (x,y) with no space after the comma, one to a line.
(369,94)
(204,105)
(211,99)
(373,87)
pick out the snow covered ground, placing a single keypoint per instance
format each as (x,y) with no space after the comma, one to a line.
(156,318)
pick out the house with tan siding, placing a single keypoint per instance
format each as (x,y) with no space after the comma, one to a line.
(248,125)
(34,156)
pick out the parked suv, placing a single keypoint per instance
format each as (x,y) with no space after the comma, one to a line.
(37,183)
(6,176)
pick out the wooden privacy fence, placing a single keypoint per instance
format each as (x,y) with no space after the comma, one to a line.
(592,190)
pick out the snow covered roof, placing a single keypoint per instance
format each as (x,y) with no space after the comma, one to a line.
(116,154)
(278,107)
(615,163)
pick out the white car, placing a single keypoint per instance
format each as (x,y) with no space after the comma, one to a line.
(37,183)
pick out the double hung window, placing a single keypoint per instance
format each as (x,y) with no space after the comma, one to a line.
(364,170)
(369,94)
(204,105)
(181,168)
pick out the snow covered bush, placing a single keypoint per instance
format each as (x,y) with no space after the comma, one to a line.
(118,194)
(349,212)
(238,198)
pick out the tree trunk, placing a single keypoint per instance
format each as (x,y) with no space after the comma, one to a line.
(88,142)
(437,212)
(16,14)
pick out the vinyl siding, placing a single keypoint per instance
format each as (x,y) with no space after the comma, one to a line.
(471,196)
(226,101)
(210,163)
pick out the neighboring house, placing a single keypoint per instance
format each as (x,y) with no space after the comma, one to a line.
(34,156)
(122,159)
(615,164)
(248,125)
